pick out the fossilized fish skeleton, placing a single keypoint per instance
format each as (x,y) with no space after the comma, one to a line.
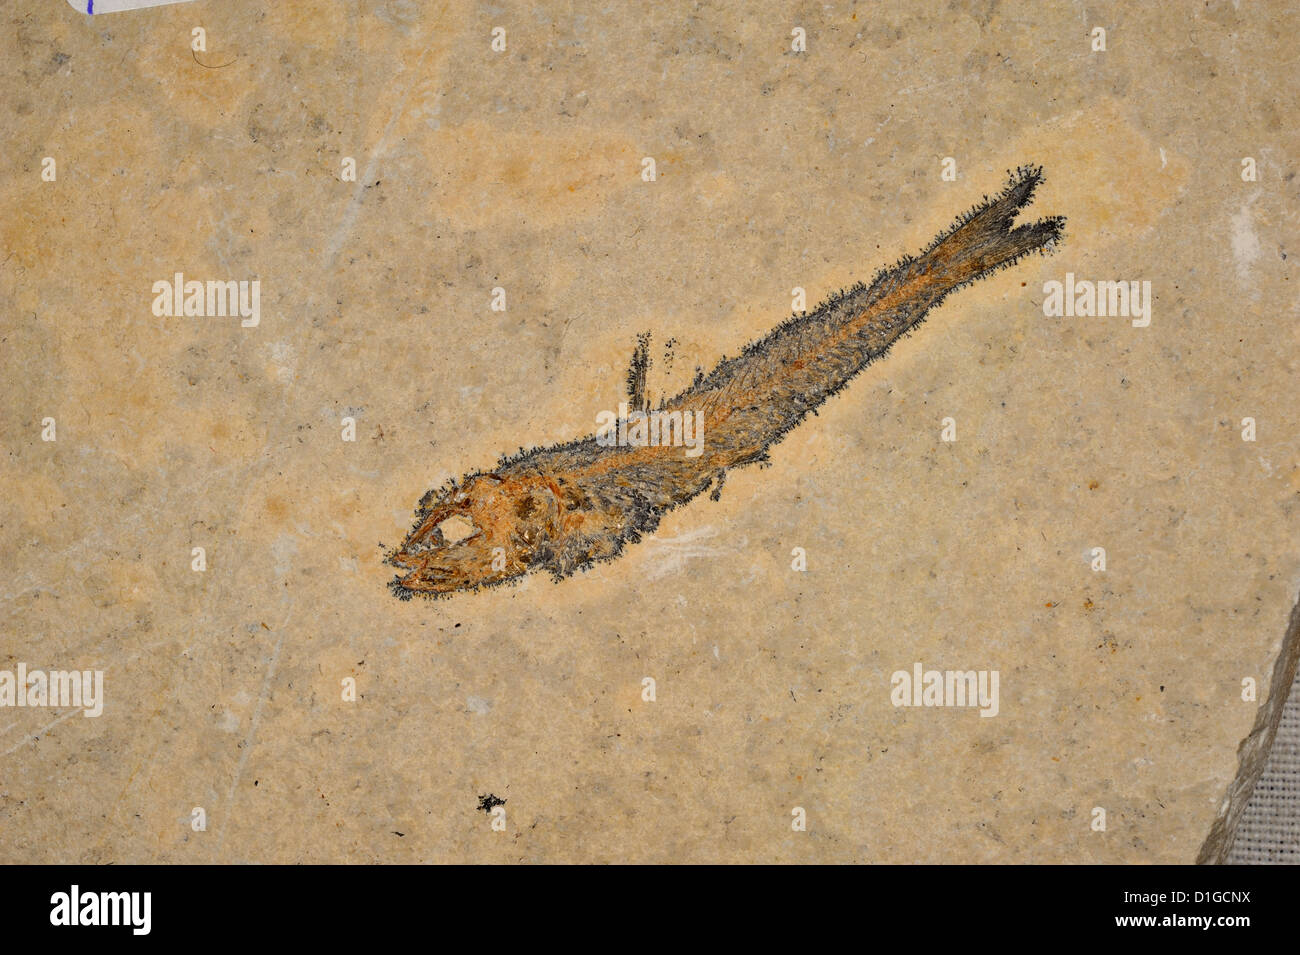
(563,508)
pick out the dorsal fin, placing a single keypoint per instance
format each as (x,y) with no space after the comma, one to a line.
(636,374)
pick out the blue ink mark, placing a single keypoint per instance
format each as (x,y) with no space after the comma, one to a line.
(90,7)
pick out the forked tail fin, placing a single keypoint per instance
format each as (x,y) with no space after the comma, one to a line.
(983,240)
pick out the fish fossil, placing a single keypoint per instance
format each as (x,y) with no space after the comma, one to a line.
(564,508)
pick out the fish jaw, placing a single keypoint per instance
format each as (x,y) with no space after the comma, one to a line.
(435,575)
(510,525)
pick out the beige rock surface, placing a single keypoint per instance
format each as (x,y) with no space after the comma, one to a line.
(521,169)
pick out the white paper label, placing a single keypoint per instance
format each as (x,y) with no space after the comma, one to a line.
(93,7)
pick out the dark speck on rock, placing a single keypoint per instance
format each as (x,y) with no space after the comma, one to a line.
(489,802)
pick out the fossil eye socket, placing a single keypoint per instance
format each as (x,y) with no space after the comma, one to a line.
(456,529)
